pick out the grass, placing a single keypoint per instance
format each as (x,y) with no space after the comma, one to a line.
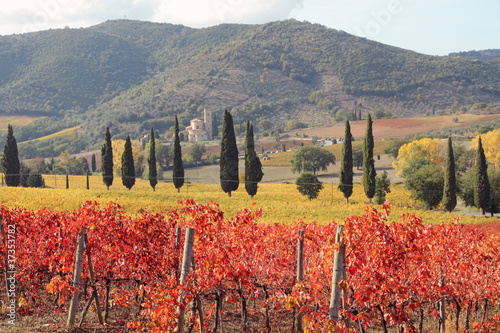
(280,203)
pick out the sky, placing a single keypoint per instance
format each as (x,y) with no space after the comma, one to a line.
(435,27)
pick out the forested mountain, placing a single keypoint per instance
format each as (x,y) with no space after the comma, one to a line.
(130,75)
(483,55)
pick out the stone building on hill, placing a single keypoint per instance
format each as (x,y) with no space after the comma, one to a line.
(199,130)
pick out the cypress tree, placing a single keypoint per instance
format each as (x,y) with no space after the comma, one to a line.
(482,195)
(383,186)
(128,166)
(107,160)
(253,167)
(450,182)
(153,175)
(346,172)
(67,181)
(369,172)
(178,172)
(215,125)
(94,167)
(229,180)
(10,160)
(88,182)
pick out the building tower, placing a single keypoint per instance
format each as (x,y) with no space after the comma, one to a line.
(207,119)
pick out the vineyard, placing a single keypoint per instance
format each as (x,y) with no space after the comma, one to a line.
(280,203)
(399,273)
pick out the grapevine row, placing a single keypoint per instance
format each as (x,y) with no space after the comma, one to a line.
(397,272)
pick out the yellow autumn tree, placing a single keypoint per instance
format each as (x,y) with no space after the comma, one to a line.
(491,146)
(64,158)
(119,147)
(426,148)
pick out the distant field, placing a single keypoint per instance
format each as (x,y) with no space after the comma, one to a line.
(383,131)
(398,128)
(16,121)
(283,159)
(68,133)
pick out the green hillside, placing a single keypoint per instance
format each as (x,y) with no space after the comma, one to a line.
(58,70)
(131,75)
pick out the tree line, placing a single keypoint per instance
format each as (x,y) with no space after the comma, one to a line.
(419,163)
(229,175)
(434,179)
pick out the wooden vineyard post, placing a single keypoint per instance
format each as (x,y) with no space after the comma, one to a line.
(77,278)
(187,258)
(338,269)
(300,275)
(300,257)
(442,316)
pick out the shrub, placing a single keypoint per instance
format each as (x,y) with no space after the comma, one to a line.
(309,185)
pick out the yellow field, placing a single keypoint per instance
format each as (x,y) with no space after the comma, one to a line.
(16,121)
(280,203)
(68,133)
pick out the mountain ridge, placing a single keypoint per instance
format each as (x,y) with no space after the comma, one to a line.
(131,75)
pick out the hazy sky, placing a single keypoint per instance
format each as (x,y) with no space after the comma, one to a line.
(429,26)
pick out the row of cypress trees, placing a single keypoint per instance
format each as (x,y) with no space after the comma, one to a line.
(482,188)
(346,165)
(128,166)
(228,162)
(229,175)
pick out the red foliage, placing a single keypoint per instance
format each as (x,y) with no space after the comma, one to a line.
(393,268)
